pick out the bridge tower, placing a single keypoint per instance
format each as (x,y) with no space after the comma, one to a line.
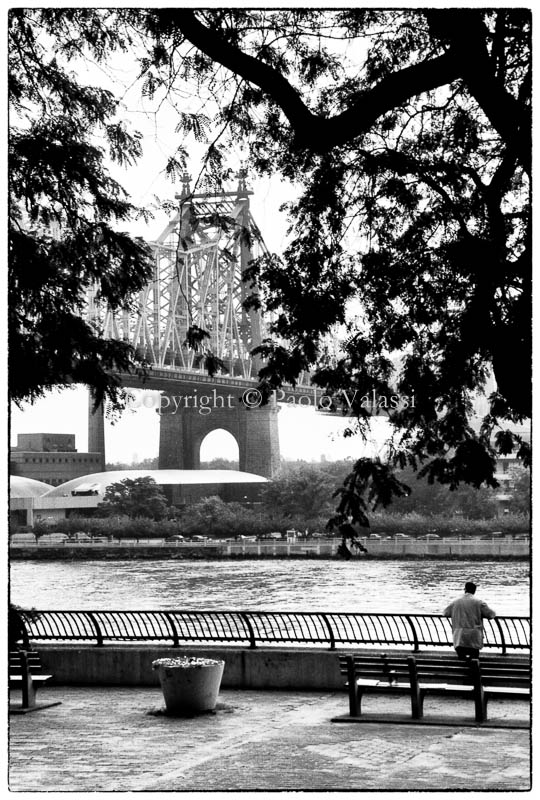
(200,260)
(255,430)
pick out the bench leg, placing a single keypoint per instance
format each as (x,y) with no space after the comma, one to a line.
(28,692)
(480,707)
(355,700)
(480,701)
(355,697)
(417,703)
(417,696)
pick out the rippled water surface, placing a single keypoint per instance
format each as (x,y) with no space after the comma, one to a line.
(361,586)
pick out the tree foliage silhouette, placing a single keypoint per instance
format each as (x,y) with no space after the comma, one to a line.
(65,209)
(415,170)
(408,134)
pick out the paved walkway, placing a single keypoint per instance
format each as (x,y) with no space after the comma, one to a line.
(117,739)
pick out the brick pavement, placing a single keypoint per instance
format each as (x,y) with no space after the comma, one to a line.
(116,739)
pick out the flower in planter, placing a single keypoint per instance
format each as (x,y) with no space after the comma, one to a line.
(190,684)
(184,661)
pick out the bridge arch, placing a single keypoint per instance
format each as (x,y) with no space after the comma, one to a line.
(183,429)
(219,443)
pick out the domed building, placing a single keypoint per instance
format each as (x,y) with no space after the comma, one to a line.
(20,487)
(80,496)
(22,493)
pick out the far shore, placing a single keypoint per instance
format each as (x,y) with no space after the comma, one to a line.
(451,548)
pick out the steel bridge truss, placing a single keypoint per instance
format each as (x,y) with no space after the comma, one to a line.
(199,263)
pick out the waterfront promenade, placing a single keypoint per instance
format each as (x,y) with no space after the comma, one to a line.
(116,739)
(383,548)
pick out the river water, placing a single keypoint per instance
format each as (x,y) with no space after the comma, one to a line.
(280,585)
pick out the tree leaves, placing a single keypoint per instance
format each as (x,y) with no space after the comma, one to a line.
(195,336)
(303,491)
(195,339)
(410,151)
(135,498)
(370,484)
(64,209)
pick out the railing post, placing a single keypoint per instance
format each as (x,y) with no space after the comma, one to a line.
(501,632)
(416,646)
(330,632)
(246,619)
(99,635)
(176,640)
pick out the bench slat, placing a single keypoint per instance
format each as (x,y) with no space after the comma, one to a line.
(381,684)
(508,690)
(377,674)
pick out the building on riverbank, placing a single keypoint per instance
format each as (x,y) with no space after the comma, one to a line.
(50,458)
(22,493)
(31,500)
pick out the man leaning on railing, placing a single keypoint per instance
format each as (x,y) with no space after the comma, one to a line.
(467,613)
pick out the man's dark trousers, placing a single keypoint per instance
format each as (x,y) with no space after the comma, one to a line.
(467,652)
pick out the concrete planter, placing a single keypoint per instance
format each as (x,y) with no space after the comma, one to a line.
(190,685)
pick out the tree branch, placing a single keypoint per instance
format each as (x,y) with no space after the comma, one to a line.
(467,34)
(321,133)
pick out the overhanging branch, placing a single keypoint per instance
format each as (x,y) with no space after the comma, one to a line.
(321,133)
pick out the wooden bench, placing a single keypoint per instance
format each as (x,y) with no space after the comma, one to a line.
(480,679)
(419,676)
(26,673)
(380,674)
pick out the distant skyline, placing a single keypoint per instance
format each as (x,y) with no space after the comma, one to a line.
(303,433)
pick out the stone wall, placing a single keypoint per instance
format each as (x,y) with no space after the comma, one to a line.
(258,668)
(131,665)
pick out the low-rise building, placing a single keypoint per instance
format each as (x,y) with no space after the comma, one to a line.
(51,458)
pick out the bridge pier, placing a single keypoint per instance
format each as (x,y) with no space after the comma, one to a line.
(96,431)
(182,430)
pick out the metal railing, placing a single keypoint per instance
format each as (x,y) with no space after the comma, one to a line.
(255,628)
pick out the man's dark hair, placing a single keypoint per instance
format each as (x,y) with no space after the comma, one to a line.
(470,587)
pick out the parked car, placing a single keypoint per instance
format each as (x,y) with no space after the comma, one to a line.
(401,536)
(22,538)
(429,536)
(374,536)
(176,538)
(80,537)
(53,538)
